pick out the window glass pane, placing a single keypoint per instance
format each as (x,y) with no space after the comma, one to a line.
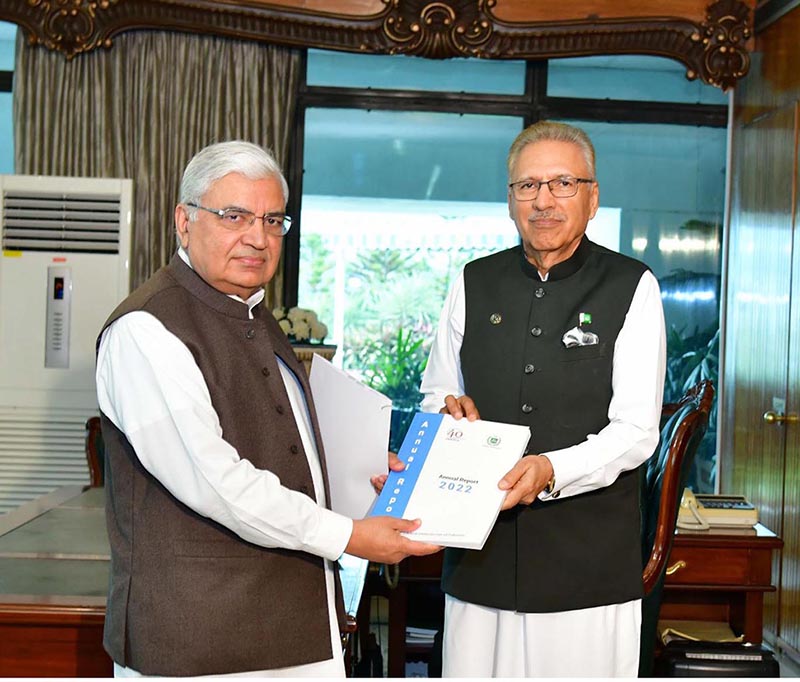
(667,183)
(394,203)
(8,37)
(399,72)
(6,134)
(407,155)
(628,77)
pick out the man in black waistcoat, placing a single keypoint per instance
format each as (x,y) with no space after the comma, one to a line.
(567,337)
(223,547)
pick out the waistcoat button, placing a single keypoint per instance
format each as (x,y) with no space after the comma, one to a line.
(527,409)
(265,371)
(294,449)
(539,293)
(536,331)
(250,333)
(529,369)
(279,409)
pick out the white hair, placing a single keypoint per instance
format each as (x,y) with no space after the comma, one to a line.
(218,160)
(551,131)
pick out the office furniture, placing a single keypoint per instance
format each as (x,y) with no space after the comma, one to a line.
(54,563)
(721,574)
(718,574)
(664,475)
(53,582)
(95,452)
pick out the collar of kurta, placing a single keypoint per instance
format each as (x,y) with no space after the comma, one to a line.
(212,297)
(560,270)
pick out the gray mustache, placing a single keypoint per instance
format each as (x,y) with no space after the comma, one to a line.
(546,215)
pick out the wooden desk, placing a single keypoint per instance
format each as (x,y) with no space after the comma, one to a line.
(53,580)
(722,575)
(54,563)
(719,574)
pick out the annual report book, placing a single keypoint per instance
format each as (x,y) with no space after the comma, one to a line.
(452,468)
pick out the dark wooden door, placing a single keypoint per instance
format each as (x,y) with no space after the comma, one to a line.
(761,377)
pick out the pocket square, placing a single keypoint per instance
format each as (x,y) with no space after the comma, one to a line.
(578,337)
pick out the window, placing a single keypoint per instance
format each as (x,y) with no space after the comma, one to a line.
(628,78)
(394,203)
(344,70)
(404,181)
(8,35)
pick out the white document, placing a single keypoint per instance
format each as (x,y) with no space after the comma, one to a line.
(354,422)
(451,476)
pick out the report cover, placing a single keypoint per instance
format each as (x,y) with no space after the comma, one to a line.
(452,468)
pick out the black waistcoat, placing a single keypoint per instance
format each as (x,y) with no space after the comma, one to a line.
(187,596)
(581,551)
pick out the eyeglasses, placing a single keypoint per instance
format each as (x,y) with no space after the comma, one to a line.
(563,187)
(239,219)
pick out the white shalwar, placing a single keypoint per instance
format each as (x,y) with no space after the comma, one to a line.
(602,641)
(150,387)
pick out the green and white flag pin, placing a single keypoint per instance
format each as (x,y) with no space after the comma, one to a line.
(584,318)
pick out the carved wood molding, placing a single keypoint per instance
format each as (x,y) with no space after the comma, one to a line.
(714,49)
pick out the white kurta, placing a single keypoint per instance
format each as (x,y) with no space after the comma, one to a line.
(150,387)
(602,641)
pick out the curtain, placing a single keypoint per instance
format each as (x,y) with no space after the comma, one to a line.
(142,109)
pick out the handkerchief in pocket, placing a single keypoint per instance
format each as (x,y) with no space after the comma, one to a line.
(579,337)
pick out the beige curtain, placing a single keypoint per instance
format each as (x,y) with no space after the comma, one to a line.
(142,109)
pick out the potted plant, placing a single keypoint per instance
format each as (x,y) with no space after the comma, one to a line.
(394,366)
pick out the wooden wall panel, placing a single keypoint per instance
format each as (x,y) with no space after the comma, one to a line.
(762,329)
(790,594)
(758,317)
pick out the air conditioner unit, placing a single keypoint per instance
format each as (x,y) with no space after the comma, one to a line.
(65,266)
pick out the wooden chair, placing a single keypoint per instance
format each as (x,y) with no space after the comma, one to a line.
(683,425)
(95,452)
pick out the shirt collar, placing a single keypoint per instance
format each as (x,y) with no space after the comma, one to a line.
(252,300)
(560,270)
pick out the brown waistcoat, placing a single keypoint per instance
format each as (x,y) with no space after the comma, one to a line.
(187,596)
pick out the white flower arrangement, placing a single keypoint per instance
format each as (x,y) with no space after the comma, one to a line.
(300,324)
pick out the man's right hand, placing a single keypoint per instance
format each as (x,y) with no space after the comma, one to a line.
(378,538)
(463,406)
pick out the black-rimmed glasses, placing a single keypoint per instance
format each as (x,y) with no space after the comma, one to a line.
(562,188)
(239,219)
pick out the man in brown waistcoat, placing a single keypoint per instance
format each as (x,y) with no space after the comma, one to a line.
(223,548)
(567,337)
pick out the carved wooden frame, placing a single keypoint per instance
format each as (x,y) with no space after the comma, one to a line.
(713,48)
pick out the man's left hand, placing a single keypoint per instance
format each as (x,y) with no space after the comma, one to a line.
(526,480)
(395,464)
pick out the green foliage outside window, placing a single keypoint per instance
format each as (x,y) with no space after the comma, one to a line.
(691,358)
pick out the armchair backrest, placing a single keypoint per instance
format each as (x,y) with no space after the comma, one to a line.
(683,426)
(95,452)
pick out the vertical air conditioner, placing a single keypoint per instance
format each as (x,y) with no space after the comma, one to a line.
(65,266)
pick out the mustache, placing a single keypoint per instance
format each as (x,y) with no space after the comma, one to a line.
(549,214)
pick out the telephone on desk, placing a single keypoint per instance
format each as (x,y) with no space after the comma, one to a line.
(701,511)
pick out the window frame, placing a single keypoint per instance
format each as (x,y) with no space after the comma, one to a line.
(532,105)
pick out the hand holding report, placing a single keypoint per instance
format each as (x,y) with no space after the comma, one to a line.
(452,468)
(354,423)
